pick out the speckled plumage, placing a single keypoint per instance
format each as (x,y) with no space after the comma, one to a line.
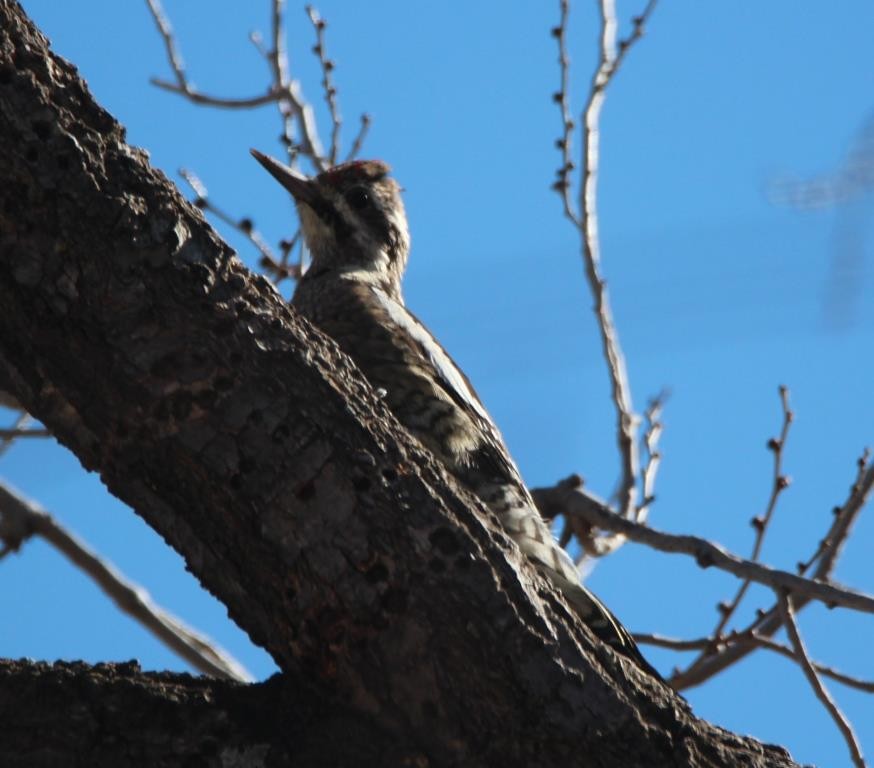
(355,228)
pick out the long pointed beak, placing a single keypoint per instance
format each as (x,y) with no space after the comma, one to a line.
(301,188)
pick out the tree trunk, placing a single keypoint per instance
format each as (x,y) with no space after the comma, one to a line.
(403,620)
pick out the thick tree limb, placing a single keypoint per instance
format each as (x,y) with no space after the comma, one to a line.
(115,716)
(257,450)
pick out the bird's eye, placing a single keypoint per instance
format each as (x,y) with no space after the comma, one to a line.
(358,197)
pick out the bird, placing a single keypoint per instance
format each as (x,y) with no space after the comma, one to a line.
(355,228)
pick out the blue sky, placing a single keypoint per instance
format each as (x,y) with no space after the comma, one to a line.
(719,294)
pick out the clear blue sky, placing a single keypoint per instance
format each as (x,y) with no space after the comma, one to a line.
(719,294)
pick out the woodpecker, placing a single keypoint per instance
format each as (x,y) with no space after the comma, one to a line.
(355,228)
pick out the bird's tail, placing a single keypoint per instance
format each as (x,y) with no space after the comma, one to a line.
(528,529)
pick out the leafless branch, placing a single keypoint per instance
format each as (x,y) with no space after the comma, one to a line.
(15,433)
(780,483)
(19,426)
(751,639)
(359,139)
(328,86)
(293,105)
(672,643)
(278,267)
(825,558)
(284,91)
(563,142)
(652,434)
(627,420)
(182,85)
(20,519)
(166,32)
(595,542)
(867,686)
(788,616)
(574,501)
(584,217)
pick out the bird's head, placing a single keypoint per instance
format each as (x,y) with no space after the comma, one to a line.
(352,217)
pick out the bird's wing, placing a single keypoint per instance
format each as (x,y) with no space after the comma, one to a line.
(492,458)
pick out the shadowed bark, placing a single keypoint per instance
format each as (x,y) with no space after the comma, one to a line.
(256,449)
(114,716)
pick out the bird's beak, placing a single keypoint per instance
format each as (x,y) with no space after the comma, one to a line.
(302,189)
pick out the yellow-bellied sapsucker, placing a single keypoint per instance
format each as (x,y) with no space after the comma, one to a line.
(355,228)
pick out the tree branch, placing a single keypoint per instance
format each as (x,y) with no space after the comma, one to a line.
(825,557)
(571,500)
(257,450)
(810,673)
(71,714)
(21,519)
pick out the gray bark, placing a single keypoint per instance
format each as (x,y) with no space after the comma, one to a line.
(256,449)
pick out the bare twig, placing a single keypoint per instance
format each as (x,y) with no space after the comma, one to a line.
(284,91)
(16,433)
(279,268)
(780,483)
(166,32)
(584,217)
(198,97)
(788,616)
(867,686)
(359,139)
(751,639)
(596,543)
(627,420)
(770,621)
(574,501)
(22,419)
(20,519)
(562,184)
(328,86)
(651,436)
(182,85)
(293,104)
(672,643)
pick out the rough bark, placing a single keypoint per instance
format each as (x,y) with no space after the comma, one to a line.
(115,716)
(255,448)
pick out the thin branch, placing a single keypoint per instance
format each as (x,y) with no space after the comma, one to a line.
(627,420)
(359,139)
(672,643)
(574,501)
(653,428)
(780,483)
(294,106)
(182,85)
(166,32)
(21,519)
(788,616)
(867,686)
(328,86)
(21,422)
(562,184)
(845,516)
(585,219)
(752,639)
(15,433)
(245,226)
(770,621)
(197,97)
(284,91)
